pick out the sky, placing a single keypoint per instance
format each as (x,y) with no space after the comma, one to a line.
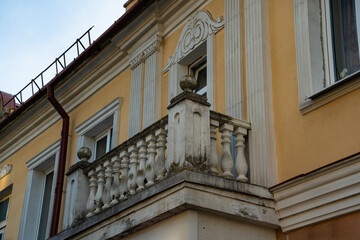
(35,32)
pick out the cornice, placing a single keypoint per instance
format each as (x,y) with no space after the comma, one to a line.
(326,193)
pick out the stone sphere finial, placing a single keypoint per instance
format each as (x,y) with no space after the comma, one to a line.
(84,154)
(188,83)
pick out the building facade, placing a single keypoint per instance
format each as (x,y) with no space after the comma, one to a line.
(193,119)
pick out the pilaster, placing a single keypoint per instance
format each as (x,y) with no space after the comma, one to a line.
(259,94)
(233,58)
(136,66)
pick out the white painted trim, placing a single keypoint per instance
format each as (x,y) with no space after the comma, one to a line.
(210,70)
(314,49)
(136,99)
(112,109)
(98,117)
(233,58)
(330,96)
(198,27)
(263,164)
(198,21)
(28,227)
(323,194)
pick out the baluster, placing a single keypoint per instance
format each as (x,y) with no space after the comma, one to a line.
(91,205)
(108,179)
(133,169)
(150,172)
(115,188)
(100,188)
(140,178)
(160,154)
(241,166)
(214,160)
(226,159)
(124,174)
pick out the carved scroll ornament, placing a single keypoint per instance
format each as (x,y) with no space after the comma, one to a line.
(198,27)
(5,170)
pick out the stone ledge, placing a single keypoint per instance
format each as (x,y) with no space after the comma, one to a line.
(180,192)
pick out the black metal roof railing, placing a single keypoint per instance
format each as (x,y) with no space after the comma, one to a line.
(59,64)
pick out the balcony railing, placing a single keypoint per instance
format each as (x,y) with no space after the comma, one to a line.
(186,139)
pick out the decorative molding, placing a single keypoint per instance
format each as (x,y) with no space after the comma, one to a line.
(198,27)
(322,194)
(154,46)
(102,114)
(136,60)
(263,164)
(145,108)
(5,170)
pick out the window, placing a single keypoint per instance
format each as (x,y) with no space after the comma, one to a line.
(346,30)
(103,143)
(196,40)
(4,207)
(198,70)
(38,199)
(98,133)
(327,50)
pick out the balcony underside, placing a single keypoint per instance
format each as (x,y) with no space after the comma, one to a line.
(187,190)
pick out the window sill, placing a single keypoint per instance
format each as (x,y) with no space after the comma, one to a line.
(331,93)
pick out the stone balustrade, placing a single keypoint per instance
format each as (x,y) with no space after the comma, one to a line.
(127,169)
(188,138)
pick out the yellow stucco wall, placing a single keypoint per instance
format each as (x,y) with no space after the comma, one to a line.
(305,142)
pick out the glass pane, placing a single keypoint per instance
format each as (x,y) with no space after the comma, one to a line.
(3,209)
(346,44)
(201,79)
(45,210)
(101,147)
(111,136)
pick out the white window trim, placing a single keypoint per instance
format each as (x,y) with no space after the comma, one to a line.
(186,52)
(112,108)
(314,66)
(28,227)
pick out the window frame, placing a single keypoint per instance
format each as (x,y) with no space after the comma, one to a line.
(199,64)
(108,133)
(315,57)
(38,168)
(96,121)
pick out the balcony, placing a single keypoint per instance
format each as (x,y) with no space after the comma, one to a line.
(174,165)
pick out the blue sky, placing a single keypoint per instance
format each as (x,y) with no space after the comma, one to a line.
(34,32)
